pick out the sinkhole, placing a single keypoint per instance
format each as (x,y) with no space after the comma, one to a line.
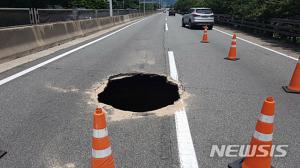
(139,92)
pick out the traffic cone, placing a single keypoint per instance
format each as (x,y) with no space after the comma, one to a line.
(205,36)
(294,86)
(101,149)
(232,50)
(262,136)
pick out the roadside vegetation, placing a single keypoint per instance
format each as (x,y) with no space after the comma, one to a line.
(88,4)
(247,9)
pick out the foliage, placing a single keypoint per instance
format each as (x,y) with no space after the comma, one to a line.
(88,4)
(251,9)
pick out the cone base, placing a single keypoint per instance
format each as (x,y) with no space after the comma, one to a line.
(232,59)
(2,153)
(236,164)
(286,89)
(204,41)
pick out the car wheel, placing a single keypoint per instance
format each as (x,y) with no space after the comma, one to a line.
(190,25)
(210,27)
(182,23)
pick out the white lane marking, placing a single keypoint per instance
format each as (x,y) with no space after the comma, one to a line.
(166,27)
(185,143)
(277,52)
(19,74)
(187,155)
(166,19)
(172,64)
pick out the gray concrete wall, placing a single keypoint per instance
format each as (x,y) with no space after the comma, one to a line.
(19,41)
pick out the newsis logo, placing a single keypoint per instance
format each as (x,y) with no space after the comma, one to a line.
(249,150)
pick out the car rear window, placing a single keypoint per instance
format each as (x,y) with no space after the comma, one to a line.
(204,11)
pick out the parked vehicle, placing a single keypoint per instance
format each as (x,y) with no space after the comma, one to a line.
(198,17)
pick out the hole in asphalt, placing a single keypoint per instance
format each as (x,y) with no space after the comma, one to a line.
(139,92)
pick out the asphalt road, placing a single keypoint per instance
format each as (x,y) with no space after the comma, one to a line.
(45,115)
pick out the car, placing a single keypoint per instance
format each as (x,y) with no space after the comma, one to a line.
(172,12)
(198,17)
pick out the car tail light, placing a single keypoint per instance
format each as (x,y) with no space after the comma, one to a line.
(195,15)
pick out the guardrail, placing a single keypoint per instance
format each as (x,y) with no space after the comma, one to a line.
(15,16)
(275,27)
(30,16)
(18,41)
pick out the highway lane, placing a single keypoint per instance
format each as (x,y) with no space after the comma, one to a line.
(46,114)
(226,97)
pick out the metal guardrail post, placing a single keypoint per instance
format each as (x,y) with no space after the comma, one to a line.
(34,16)
(31,17)
(110,8)
(37,18)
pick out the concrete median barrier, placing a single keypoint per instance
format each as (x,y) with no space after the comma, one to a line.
(19,41)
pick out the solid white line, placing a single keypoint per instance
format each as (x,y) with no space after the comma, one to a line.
(19,74)
(172,64)
(166,27)
(185,143)
(187,155)
(277,52)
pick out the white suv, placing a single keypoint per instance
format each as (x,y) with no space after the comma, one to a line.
(198,17)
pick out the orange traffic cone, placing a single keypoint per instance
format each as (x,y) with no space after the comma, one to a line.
(205,36)
(262,138)
(232,50)
(294,86)
(101,149)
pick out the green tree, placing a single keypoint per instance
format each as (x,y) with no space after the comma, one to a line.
(249,9)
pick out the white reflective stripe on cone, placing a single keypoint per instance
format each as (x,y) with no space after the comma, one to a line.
(100,133)
(234,40)
(101,153)
(266,118)
(263,137)
(233,45)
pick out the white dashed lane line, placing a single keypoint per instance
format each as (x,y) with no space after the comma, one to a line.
(187,155)
(166,27)
(172,64)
